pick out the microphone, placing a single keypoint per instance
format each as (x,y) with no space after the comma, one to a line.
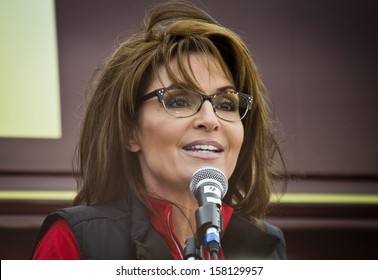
(209,185)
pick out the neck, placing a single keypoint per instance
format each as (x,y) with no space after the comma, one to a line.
(184,207)
(183,214)
(184,221)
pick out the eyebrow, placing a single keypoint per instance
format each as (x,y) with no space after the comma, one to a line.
(218,90)
(225,88)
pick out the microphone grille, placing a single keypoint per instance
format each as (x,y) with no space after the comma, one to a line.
(209,173)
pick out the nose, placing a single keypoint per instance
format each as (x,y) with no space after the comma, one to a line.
(206,118)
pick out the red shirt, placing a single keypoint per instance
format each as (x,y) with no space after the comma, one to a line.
(59,243)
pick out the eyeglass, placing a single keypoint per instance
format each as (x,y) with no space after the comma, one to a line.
(229,105)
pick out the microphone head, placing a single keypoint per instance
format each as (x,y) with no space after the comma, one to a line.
(209,173)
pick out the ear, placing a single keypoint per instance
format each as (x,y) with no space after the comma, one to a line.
(133,145)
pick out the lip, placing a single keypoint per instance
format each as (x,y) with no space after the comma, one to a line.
(214,151)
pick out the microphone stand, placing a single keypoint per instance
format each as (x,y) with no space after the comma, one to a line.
(209,226)
(192,250)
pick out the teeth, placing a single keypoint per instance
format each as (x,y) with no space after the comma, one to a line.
(204,148)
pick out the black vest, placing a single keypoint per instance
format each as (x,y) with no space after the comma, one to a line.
(122,230)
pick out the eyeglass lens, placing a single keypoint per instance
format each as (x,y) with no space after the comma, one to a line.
(183,103)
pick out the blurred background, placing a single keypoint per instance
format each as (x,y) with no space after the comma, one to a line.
(318,60)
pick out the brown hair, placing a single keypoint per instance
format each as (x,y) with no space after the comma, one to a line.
(171,30)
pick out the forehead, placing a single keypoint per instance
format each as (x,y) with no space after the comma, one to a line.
(196,70)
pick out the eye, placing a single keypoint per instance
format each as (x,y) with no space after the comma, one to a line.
(179,98)
(227,102)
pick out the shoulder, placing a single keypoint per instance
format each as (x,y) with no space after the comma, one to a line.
(88,217)
(280,252)
(273,230)
(113,211)
(97,220)
(101,231)
(58,243)
(244,239)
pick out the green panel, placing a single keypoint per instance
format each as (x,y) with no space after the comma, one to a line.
(29,79)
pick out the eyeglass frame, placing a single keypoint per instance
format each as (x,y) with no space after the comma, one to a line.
(159,93)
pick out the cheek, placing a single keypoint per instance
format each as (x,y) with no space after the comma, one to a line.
(150,137)
(238,137)
(156,134)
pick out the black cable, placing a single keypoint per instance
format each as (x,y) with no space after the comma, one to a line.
(215,255)
(213,248)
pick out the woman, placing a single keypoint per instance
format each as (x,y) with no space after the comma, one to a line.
(180,94)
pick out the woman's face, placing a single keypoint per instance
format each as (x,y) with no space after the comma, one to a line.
(171,149)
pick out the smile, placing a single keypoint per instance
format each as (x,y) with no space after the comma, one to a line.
(203,149)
